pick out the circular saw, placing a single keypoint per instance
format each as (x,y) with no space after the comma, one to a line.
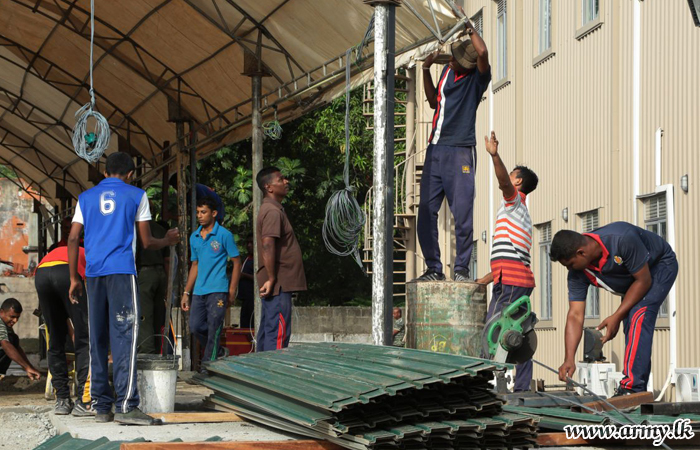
(509,336)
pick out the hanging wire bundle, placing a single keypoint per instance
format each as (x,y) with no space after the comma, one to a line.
(273,129)
(90,145)
(345,220)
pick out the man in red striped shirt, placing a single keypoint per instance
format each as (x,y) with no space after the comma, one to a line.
(510,254)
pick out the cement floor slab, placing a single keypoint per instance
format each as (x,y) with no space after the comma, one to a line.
(87,428)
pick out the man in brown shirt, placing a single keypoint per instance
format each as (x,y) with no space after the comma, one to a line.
(281,268)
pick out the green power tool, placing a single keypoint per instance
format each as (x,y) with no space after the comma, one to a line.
(509,336)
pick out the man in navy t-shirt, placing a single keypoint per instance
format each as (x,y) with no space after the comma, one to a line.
(637,265)
(112,213)
(450,160)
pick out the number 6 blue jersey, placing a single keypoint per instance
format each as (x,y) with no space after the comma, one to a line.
(109,213)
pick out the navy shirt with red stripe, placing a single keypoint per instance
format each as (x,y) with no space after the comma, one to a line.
(626,248)
(458,98)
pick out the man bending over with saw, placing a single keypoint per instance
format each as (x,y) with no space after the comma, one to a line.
(510,255)
(637,265)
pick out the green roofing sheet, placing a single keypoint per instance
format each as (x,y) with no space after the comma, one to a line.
(370,397)
(67,442)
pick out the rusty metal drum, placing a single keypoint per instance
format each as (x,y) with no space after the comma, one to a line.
(445,316)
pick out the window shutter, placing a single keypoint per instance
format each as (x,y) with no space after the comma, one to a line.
(590,221)
(546,233)
(478,23)
(656,208)
(501,7)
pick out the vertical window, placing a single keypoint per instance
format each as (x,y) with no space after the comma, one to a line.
(545,280)
(589,222)
(502,28)
(655,221)
(589,11)
(545,25)
(473,263)
(478,23)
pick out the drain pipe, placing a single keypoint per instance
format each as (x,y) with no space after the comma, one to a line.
(671,238)
(636,73)
(491,186)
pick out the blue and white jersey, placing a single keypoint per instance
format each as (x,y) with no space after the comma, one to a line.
(458,98)
(108,213)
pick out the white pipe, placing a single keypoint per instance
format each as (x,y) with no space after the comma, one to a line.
(657,154)
(671,239)
(636,70)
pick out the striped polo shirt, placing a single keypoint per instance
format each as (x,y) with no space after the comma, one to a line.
(510,255)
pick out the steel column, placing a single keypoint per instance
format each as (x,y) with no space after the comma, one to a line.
(257,135)
(182,161)
(193,175)
(383,214)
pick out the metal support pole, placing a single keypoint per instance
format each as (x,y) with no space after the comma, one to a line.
(410,173)
(256,82)
(182,160)
(193,177)
(383,214)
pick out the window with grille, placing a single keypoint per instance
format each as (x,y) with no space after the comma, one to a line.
(478,23)
(655,221)
(545,25)
(589,11)
(473,262)
(502,29)
(545,275)
(589,222)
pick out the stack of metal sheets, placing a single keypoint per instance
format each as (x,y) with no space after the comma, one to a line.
(370,397)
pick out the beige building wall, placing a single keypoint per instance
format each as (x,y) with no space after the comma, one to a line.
(568,114)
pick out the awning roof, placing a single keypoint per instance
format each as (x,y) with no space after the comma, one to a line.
(149,51)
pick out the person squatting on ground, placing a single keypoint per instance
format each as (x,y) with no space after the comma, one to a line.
(210,247)
(512,242)
(636,264)
(111,214)
(282,269)
(450,159)
(52,281)
(153,286)
(10,350)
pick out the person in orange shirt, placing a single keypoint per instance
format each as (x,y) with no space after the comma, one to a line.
(52,281)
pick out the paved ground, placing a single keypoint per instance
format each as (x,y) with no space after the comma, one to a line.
(27,420)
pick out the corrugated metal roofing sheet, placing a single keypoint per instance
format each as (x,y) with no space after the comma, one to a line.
(363,396)
(67,442)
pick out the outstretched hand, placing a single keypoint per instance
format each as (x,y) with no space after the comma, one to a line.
(491,144)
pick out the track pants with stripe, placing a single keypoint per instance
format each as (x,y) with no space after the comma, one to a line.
(447,172)
(275,322)
(113,312)
(503,295)
(206,321)
(639,326)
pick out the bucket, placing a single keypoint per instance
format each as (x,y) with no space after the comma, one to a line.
(445,317)
(157,382)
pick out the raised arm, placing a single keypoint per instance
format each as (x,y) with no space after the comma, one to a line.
(428,86)
(502,175)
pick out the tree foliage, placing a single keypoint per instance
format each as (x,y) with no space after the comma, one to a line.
(311,154)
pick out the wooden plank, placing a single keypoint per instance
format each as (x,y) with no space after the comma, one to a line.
(270,445)
(624,401)
(557,440)
(198,417)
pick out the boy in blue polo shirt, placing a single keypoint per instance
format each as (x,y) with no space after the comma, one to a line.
(636,264)
(112,213)
(210,247)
